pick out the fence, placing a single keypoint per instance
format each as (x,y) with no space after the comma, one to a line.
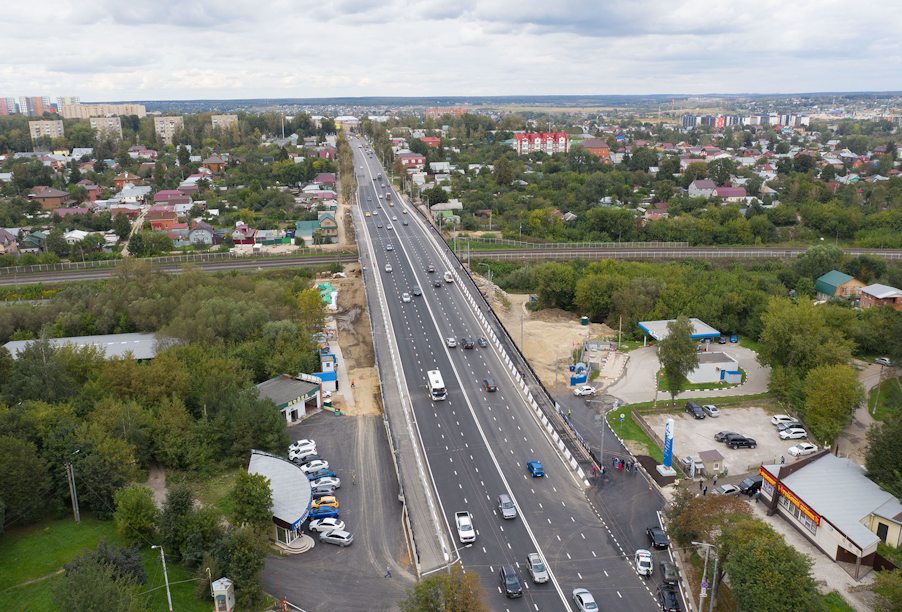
(573,245)
(661,254)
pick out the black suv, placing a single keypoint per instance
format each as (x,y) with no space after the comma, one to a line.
(490,384)
(750,485)
(737,441)
(695,410)
(667,595)
(467,342)
(510,582)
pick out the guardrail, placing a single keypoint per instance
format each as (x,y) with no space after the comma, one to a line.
(660,254)
(572,245)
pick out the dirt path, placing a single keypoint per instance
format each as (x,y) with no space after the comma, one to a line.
(156,482)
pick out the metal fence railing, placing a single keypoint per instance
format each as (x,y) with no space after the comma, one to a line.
(572,245)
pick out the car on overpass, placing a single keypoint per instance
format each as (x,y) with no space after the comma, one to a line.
(535,468)
(451,342)
(536,568)
(465,532)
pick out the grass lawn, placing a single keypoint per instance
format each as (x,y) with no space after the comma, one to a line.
(748,343)
(663,387)
(888,388)
(765,400)
(834,603)
(42,549)
(628,430)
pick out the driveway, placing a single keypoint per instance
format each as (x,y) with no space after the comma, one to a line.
(638,383)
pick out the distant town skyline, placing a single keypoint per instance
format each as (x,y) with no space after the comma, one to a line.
(168,50)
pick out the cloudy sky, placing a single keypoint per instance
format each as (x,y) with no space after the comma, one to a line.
(104,50)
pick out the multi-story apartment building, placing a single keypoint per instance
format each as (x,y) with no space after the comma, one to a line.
(107,126)
(435,113)
(547,142)
(51,129)
(224,121)
(34,106)
(719,121)
(8,106)
(85,111)
(166,127)
(67,100)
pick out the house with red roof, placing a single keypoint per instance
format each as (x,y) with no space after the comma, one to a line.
(598,148)
(432,141)
(731,194)
(126,178)
(412,160)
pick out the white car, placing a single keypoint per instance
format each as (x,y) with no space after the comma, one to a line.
(315,466)
(388,267)
(644,565)
(711,411)
(389,247)
(782,418)
(465,531)
(451,342)
(405,297)
(380,196)
(301,444)
(793,433)
(884,361)
(326,524)
(326,481)
(584,600)
(536,568)
(802,449)
(389,226)
(584,390)
(394,217)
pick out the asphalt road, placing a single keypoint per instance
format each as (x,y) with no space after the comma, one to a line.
(477,443)
(333,578)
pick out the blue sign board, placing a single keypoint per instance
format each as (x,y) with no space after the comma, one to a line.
(668,442)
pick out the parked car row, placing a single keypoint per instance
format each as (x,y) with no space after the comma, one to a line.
(324,512)
(643,563)
(734,440)
(700,412)
(789,428)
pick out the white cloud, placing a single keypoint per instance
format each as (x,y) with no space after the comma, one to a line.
(169,49)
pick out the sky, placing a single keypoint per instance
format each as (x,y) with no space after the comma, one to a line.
(112,50)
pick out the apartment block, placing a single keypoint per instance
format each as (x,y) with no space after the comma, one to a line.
(435,113)
(86,111)
(166,127)
(51,129)
(107,126)
(547,142)
(34,106)
(224,121)
(8,106)
(67,100)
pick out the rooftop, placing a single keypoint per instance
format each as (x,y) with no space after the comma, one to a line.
(284,389)
(141,346)
(291,495)
(658,329)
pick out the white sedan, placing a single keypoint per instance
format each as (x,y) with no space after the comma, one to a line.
(802,449)
(584,390)
(793,433)
(405,297)
(782,418)
(326,524)
(301,444)
(326,481)
(451,342)
(644,566)
(315,466)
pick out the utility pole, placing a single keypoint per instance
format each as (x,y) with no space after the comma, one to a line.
(165,576)
(70,476)
(704,588)
(713,586)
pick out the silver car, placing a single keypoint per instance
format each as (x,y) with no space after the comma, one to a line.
(506,506)
(536,568)
(337,537)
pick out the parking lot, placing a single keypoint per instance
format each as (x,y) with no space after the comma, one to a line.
(354,447)
(691,436)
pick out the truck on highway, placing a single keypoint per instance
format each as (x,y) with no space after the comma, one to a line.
(465,531)
(449,278)
(388,196)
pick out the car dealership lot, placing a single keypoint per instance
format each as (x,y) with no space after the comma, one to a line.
(690,436)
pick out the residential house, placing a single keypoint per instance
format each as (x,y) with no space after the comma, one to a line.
(412,160)
(126,178)
(132,194)
(328,225)
(33,243)
(201,233)
(836,284)
(130,212)
(432,141)
(75,236)
(214,164)
(325,179)
(326,152)
(164,195)
(881,295)
(242,234)
(62,213)
(547,142)
(702,188)
(161,220)
(730,194)
(305,231)
(92,189)
(7,243)
(599,148)
(49,198)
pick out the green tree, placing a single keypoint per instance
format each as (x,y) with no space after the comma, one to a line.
(95,585)
(23,480)
(504,173)
(555,284)
(311,310)
(81,136)
(678,354)
(241,556)
(56,243)
(136,514)
(833,393)
(122,226)
(174,519)
(252,501)
(817,261)
(39,374)
(453,592)
(184,156)
(866,268)
(883,458)
(126,562)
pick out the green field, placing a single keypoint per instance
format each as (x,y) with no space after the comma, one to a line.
(884,399)
(32,557)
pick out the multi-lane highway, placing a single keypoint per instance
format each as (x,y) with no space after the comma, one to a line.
(476,443)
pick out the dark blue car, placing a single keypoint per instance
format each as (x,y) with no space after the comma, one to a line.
(535,468)
(323,512)
(320,474)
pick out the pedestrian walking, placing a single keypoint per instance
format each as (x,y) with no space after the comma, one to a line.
(757,496)
(705,491)
(701,483)
(388,571)
(568,413)
(715,481)
(782,460)
(593,471)
(602,473)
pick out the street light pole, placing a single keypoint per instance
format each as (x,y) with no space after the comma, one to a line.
(165,576)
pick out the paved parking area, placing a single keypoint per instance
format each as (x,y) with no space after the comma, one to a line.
(329,577)
(690,436)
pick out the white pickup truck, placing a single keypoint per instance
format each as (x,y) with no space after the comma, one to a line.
(465,530)
(449,278)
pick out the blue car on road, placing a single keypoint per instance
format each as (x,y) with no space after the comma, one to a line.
(323,512)
(535,468)
(320,474)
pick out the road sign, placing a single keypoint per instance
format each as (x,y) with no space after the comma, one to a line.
(621,418)
(704,592)
(705,584)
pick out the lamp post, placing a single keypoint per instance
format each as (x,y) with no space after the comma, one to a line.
(603,424)
(165,576)
(490,281)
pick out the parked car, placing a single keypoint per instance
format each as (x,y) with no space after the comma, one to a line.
(506,506)
(722,340)
(536,568)
(727,490)
(323,491)
(510,582)
(721,436)
(326,524)
(337,537)
(489,384)
(781,418)
(668,598)
(584,600)
(451,342)
(328,481)
(323,502)
(735,441)
(751,485)
(695,410)
(302,445)
(711,411)
(669,572)
(324,512)
(656,537)
(643,563)
(535,468)
(305,459)
(584,390)
(884,361)
(802,449)
(734,339)
(320,474)
(314,466)
(790,425)
(465,531)
(793,433)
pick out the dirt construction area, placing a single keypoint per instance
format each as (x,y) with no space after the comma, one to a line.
(691,436)
(547,335)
